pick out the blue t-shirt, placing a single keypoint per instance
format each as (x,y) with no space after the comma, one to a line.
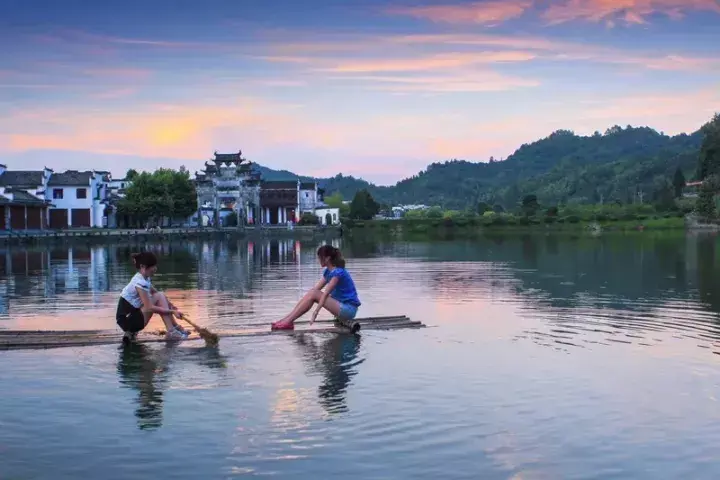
(344,291)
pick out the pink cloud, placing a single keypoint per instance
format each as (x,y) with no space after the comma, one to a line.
(431,62)
(426,52)
(631,12)
(486,13)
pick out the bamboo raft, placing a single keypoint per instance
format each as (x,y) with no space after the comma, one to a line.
(41,339)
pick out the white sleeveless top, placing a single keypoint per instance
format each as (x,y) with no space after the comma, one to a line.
(130,294)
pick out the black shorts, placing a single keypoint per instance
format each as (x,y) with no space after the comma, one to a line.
(128,317)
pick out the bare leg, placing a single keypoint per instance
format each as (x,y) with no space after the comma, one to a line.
(160,300)
(305,304)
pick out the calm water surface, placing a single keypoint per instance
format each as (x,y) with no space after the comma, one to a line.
(548,357)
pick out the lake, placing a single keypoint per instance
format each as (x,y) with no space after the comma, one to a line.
(545,357)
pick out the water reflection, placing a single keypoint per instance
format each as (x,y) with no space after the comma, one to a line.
(336,359)
(147,370)
(580,290)
(140,368)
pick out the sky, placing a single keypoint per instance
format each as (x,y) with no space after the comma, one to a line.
(376,89)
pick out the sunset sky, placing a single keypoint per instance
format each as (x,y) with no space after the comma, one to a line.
(363,87)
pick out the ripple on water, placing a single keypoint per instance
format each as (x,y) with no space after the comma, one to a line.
(628,388)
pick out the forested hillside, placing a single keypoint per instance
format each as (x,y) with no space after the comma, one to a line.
(620,165)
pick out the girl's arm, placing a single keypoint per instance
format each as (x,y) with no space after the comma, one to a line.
(147,303)
(153,291)
(320,284)
(330,287)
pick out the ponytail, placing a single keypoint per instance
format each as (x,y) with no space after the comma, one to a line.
(146,259)
(334,254)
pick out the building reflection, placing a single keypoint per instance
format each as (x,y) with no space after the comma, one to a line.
(78,276)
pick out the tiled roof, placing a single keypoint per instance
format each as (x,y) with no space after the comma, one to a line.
(21,178)
(229,157)
(307,186)
(21,197)
(112,199)
(70,178)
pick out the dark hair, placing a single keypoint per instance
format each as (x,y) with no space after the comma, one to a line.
(334,254)
(146,259)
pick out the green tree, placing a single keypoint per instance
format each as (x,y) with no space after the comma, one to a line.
(165,193)
(363,206)
(705,204)
(336,201)
(678,183)
(710,149)
(131,174)
(434,212)
(530,205)
(663,195)
(483,207)
(308,218)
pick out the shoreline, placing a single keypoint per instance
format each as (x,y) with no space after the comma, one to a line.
(99,235)
(533,225)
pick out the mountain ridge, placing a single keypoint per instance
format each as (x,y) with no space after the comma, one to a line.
(561,167)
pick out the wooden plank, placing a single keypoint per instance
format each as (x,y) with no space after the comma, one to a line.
(26,339)
(363,321)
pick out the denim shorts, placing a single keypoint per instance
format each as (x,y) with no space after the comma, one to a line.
(347,311)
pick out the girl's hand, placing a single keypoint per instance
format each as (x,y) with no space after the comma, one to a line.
(178,313)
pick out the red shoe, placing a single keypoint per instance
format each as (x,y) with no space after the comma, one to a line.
(282,326)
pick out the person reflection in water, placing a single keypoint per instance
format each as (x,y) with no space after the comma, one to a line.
(146,369)
(139,369)
(335,359)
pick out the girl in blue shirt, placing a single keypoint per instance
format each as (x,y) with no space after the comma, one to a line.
(339,298)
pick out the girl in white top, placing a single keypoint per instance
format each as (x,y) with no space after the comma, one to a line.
(139,301)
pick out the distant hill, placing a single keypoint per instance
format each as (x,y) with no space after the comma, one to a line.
(562,167)
(347,185)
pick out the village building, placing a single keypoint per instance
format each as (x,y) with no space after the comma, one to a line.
(117,186)
(79,199)
(229,186)
(22,199)
(230,193)
(283,201)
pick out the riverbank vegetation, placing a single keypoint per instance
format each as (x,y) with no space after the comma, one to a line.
(665,205)
(594,217)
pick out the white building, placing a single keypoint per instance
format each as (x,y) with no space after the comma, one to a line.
(118,186)
(328,216)
(79,199)
(400,210)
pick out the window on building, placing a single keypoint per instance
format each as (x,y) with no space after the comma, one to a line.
(57,193)
(81,193)
(334,217)
(307,194)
